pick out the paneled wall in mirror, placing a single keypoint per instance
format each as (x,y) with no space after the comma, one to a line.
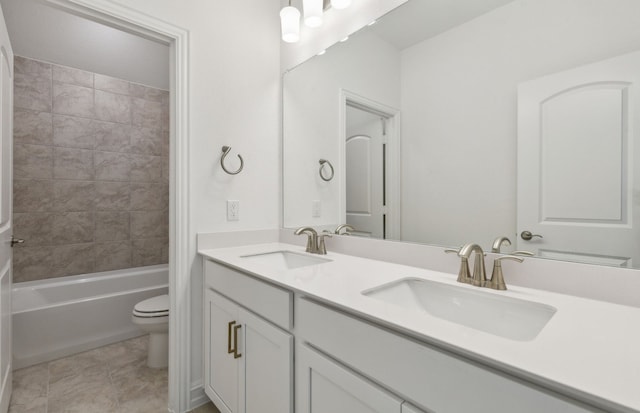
(453,122)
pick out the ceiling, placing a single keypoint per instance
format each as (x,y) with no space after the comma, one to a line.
(418,20)
(42,32)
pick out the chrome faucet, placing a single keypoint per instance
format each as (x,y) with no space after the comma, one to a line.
(348,228)
(479,278)
(315,242)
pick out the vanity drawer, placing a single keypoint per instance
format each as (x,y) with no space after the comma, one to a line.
(432,378)
(270,302)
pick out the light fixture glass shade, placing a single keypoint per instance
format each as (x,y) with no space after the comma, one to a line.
(340,4)
(290,22)
(312,12)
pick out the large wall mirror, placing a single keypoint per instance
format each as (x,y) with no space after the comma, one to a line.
(449,122)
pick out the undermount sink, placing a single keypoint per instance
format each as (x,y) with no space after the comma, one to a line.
(494,314)
(284,260)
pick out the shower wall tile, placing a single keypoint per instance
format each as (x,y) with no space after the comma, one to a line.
(146,168)
(32,195)
(32,127)
(147,224)
(91,172)
(112,166)
(32,162)
(112,137)
(72,259)
(146,141)
(148,251)
(146,113)
(73,132)
(147,93)
(112,196)
(33,263)
(111,84)
(73,100)
(73,227)
(32,92)
(113,255)
(72,76)
(36,228)
(71,163)
(148,196)
(113,107)
(74,196)
(26,66)
(112,226)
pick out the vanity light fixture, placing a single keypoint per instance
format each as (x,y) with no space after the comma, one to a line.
(290,22)
(340,4)
(313,12)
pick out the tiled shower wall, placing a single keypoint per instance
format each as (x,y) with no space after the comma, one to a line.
(91,176)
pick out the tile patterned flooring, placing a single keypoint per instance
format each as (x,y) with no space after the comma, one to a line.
(110,379)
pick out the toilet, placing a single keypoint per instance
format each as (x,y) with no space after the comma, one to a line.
(152,316)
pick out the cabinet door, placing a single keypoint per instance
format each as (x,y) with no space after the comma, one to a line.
(221,368)
(267,373)
(324,386)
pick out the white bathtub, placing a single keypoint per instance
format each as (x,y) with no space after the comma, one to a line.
(62,316)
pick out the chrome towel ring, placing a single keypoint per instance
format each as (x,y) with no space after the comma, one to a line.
(324,162)
(225,152)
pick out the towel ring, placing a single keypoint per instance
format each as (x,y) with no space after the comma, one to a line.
(324,162)
(225,152)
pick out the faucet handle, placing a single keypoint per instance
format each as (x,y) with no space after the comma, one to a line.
(322,248)
(523,253)
(497,277)
(464,275)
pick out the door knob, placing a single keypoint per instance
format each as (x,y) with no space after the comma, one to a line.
(15,241)
(527,235)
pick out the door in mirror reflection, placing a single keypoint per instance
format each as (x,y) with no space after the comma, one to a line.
(364,167)
(576,133)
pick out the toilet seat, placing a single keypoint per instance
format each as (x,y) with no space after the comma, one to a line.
(152,307)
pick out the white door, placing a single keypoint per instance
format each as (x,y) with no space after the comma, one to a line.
(578,142)
(364,165)
(267,354)
(327,387)
(6,138)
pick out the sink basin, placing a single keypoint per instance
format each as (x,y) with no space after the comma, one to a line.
(285,260)
(506,317)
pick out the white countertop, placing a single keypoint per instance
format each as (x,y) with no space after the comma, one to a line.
(589,349)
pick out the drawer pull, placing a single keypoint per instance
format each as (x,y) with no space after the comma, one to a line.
(236,355)
(229,346)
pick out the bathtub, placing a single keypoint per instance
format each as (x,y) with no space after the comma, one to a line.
(58,317)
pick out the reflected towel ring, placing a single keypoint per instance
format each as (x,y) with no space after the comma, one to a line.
(324,162)
(225,152)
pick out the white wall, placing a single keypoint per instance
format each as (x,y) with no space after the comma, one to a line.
(459,108)
(234,94)
(311,121)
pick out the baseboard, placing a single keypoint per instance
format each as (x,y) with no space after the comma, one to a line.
(198,397)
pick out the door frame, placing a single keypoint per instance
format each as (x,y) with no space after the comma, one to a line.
(393,172)
(135,22)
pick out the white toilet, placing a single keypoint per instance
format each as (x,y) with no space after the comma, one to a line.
(152,316)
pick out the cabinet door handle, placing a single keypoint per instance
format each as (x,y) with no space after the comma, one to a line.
(229,346)
(236,355)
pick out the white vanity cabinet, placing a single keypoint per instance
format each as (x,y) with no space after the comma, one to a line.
(325,386)
(248,360)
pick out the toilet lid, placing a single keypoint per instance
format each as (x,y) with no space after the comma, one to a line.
(153,307)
